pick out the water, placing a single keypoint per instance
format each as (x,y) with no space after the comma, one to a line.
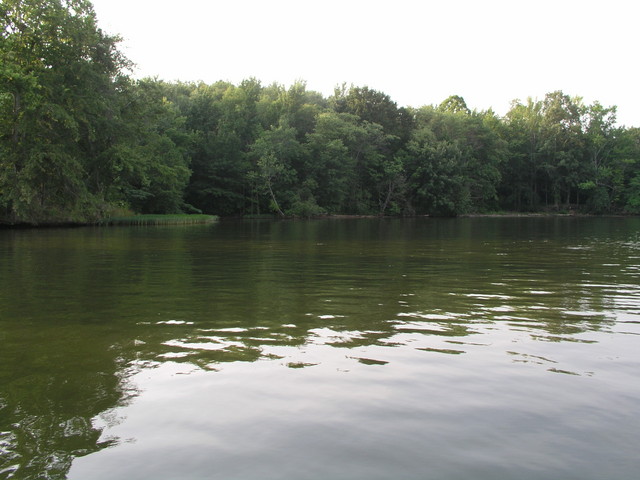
(484,348)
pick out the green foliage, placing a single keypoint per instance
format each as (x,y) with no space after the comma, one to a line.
(454,104)
(436,183)
(633,195)
(304,203)
(561,153)
(60,75)
(454,162)
(153,172)
(370,105)
(276,151)
(79,139)
(224,123)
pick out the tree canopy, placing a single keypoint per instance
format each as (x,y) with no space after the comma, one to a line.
(81,140)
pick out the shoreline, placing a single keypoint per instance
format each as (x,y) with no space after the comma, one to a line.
(106,223)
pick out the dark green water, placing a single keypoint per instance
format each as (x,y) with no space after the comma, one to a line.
(479,348)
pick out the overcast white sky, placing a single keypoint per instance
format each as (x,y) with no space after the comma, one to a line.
(417,52)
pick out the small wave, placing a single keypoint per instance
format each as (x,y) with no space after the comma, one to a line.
(174,322)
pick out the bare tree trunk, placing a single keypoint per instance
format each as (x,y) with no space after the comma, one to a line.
(273,197)
(388,197)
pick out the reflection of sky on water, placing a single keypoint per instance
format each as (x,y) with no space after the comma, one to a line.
(444,332)
(374,407)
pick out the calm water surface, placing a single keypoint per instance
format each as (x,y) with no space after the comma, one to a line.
(477,348)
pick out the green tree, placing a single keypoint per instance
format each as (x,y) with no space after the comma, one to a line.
(59,74)
(523,126)
(372,106)
(601,180)
(470,150)
(392,184)
(151,151)
(347,160)
(454,104)
(275,151)
(562,148)
(225,123)
(436,184)
(625,170)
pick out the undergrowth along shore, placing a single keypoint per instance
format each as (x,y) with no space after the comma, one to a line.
(144,220)
(199,219)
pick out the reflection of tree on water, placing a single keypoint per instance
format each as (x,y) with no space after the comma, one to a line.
(353,284)
(93,305)
(60,364)
(49,397)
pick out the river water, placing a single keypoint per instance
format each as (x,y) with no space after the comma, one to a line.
(471,348)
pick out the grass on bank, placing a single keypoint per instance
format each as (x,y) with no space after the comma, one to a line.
(147,220)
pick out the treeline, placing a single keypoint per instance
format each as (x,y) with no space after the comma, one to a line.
(80,141)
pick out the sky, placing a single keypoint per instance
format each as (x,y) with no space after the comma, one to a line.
(418,52)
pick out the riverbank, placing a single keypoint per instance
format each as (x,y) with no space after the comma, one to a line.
(130,220)
(193,219)
(466,215)
(144,220)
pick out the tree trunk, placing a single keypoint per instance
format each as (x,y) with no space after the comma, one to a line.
(386,200)
(275,202)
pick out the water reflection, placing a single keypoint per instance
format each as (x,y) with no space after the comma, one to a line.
(84,313)
(53,387)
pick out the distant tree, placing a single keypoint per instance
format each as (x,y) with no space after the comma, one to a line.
(225,123)
(626,156)
(562,149)
(347,156)
(152,149)
(79,139)
(526,136)
(466,148)
(274,151)
(436,183)
(454,104)
(601,179)
(369,105)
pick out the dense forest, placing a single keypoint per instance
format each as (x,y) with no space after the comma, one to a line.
(81,140)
